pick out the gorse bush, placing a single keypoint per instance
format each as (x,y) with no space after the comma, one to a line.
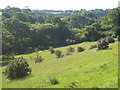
(58,53)
(38,59)
(110,39)
(17,68)
(51,50)
(93,46)
(102,44)
(80,49)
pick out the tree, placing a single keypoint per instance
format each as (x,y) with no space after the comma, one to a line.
(17,68)
(58,53)
(102,44)
(21,16)
(17,35)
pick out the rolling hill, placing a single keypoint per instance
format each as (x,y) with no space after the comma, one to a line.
(87,69)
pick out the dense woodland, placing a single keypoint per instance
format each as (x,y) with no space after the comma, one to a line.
(25,30)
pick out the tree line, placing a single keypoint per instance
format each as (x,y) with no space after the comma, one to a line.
(24,30)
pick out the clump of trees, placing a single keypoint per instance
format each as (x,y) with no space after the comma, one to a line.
(51,50)
(58,53)
(80,49)
(17,68)
(102,44)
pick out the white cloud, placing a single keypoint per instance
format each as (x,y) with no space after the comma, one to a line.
(60,4)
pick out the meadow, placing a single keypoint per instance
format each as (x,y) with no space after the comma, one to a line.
(87,69)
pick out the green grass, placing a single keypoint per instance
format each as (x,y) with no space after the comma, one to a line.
(90,69)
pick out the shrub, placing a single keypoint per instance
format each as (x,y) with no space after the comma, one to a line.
(51,50)
(80,49)
(70,50)
(17,68)
(58,53)
(102,44)
(38,59)
(68,53)
(110,39)
(54,81)
(93,46)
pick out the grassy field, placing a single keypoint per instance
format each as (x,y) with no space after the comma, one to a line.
(88,69)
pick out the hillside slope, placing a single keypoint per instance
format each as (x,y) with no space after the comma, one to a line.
(88,69)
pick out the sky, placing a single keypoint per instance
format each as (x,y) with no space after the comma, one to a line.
(61,4)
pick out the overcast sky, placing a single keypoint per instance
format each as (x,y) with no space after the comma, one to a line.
(61,4)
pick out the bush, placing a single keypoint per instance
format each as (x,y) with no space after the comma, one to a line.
(58,53)
(93,46)
(68,53)
(51,50)
(110,39)
(38,59)
(102,44)
(80,49)
(17,68)
(54,81)
(70,50)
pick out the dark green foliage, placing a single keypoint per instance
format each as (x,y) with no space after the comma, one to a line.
(54,81)
(25,29)
(102,44)
(70,41)
(6,15)
(38,59)
(93,46)
(80,49)
(6,59)
(58,53)
(17,68)
(118,38)
(21,16)
(51,50)
(110,39)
